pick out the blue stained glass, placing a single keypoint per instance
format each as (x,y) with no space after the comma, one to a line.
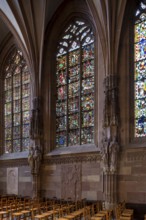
(75,86)
(140,74)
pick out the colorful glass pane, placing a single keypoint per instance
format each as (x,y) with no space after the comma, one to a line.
(25,144)
(25,104)
(16,132)
(16,80)
(16,145)
(74,121)
(8,146)
(75,86)
(74,74)
(8,133)
(88,86)
(73,89)
(16,106)
(87,135)
(25,117)
(88,52)
(61,108)
(140,72)
(8,96)
(61,139)
(16,93)
(73,105)
(61,123)
(8,121)
(25,90)
(88,68)
(87,102)
(8,83)
(16,119)
(61,78)
(61,63)
(74,137)
(62,92)
(87,119)
(8,108)
(74,58)
(25,77)
(26,130)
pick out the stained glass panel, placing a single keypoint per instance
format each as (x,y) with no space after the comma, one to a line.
(8,121)
(87,102)
(16,119)
(73,89)
(61,108)
(16,80)
(8,133)
(140,72)
(25,116)
(8,146)
(61,123)
(88,86)
(16,132)
(87,135)
(88,68)
(16,145)
(25,104)
(74,58)
(88,52)
(87,119)
(8,96)
(16,106)
(25,144)
(25,90)
(74,74)
(73,105)
(26,130)
(75,86)
(61,139)
(8,83)
(16,93)
(16,109)
(25,77)
(74,137)
(8,108)
(74,121)
(61,63)
(61,78)
(62,92)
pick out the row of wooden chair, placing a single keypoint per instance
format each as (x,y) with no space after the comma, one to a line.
(121,213)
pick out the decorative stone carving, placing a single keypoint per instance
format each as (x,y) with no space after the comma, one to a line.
(113,155)
(71,181)
(12,180)
(35,150)
(35,120)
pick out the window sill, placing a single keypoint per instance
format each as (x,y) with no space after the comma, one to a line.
(14,156)
(82,149)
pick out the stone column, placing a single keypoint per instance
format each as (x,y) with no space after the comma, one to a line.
(35,150)
(110,145)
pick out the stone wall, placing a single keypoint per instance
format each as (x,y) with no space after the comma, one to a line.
(11,183)
(132,176)
(74,180)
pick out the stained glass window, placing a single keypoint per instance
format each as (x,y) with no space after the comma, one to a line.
(17,103)
(75,86)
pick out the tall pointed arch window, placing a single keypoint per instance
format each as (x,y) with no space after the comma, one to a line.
(16,103)
(75,86)
(140,70)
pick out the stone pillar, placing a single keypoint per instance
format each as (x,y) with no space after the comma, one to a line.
(35,150)
(110,145)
